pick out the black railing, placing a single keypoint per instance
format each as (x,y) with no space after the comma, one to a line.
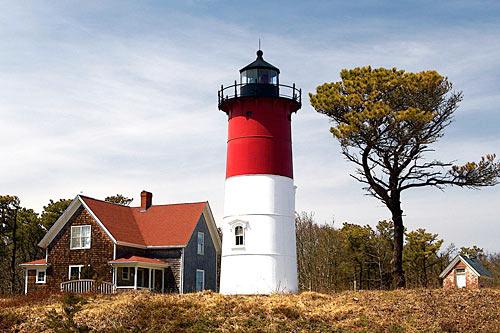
(258,89)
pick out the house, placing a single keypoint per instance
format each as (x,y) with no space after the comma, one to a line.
(105,247)
(465,272)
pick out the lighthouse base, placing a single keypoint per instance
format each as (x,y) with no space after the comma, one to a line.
(258,246)
(259,274)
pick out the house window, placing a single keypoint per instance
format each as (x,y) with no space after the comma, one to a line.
(74,272)
(201,243)
(41,275)
(125,273)
(200,280)
(239,236)
(80,237)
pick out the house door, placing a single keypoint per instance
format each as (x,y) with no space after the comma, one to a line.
(460,277)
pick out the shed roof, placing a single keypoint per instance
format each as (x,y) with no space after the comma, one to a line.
(472,263)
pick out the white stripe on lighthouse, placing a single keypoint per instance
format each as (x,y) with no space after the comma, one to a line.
(265,206)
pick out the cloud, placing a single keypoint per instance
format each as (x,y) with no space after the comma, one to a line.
(111,98)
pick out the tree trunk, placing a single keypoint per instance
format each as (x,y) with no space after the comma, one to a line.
(398,275)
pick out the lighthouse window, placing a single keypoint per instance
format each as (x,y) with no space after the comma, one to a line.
(239,234)
(249,76)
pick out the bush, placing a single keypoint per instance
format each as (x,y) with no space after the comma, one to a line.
(65,322)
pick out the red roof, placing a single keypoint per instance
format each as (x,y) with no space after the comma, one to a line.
(137,259)
(160,225)
(35,262)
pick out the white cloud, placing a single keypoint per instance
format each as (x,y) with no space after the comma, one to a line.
(127,104)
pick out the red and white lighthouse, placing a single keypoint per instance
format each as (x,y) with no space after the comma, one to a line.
(258,248)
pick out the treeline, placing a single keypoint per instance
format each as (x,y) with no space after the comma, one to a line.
(329,258)
(354,256)
(20,231)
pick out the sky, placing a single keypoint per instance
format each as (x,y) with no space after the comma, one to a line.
(106,97)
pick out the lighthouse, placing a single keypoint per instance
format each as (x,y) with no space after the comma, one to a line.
(259,246)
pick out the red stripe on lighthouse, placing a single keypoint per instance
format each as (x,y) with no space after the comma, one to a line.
(259,138)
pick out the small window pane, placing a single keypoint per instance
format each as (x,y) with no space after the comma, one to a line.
(75,231)
(76,242)
(86,231)
(86,242)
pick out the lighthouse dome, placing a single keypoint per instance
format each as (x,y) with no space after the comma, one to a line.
(260,72)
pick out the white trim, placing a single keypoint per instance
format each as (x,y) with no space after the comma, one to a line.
(44,270)
(59,224)
(135,277)
(65,217)
(181,273)
(25,281)
(452,264)
(202,281)
(80,226)
(96,219)
(212,228)
(138,264)
(114,251)
(79,271)
(150,246)
(163,280)
(33,266)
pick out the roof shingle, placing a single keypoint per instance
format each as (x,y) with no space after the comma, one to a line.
(160,225)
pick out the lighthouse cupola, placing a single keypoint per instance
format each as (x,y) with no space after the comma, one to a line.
(258,248)
(259,78)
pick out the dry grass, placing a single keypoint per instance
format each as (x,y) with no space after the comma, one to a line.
(366,311)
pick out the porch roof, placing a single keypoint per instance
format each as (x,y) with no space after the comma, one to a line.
(40,263)
(138,261)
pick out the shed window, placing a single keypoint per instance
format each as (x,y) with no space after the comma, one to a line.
(239,236)
(80,237)
(201,243)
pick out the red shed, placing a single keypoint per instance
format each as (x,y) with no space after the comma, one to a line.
(465,272)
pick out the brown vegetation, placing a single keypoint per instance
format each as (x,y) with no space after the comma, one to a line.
(418,310)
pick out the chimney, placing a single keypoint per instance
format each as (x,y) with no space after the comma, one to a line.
(146,200)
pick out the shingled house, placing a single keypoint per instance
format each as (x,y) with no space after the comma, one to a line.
(100,246)
(465,272)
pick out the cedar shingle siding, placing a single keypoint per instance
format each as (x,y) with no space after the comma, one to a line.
(61,256)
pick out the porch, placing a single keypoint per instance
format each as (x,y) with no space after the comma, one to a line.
(139,273)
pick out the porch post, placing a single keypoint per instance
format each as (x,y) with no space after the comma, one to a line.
(162,280)
(149,279)
(135,278)
(115,277)
(154,279)
(26,280)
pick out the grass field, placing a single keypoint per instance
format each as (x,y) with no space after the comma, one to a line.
(365,311)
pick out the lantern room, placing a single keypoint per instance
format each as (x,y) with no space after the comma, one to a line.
(259,71)
(258,79)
